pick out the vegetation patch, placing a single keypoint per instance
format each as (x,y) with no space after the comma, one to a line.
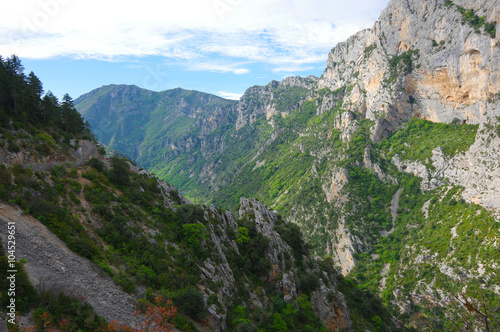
(470,17)
(418,138)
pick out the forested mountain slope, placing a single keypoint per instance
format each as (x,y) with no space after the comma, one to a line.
(134,121)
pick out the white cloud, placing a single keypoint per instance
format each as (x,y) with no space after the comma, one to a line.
(281,32)
(291,69)
(219,68)
(229,95)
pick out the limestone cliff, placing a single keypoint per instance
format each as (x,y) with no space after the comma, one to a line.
(451,74)
(453,70)
(266,99)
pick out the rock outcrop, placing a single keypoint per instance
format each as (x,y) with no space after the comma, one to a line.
(454,69)
(265,99)
(328,303)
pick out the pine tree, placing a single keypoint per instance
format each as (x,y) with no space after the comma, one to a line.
(51,112)
(71,120)
(34,93)
(15,83)
(66,106)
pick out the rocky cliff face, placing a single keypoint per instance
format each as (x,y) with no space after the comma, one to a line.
(266,99)
(453,74)
(423,59)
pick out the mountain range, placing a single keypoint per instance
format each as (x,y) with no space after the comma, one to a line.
(364,199)
(404,112)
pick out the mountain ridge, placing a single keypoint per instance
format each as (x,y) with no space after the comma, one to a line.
(409,106)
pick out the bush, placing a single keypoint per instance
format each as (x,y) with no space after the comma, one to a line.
(127,284)
(119,172)
(58,171)
(72,173)
(190,302)
(307,283)
(13,147)
(5,177)
(83,247)
(103,211)
(96,164)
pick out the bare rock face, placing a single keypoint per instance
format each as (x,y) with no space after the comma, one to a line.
(454,71)
(333,189)
(259,99)
(327,302)
(265,220)
(255,101)
(477,170)
(343,246)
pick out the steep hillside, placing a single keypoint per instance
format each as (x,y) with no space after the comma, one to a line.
(82,226)
(145,124)
(388,161)
(103,245)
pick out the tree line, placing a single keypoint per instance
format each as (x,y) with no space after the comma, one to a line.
(22,101)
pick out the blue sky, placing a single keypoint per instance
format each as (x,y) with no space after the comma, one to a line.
(216,46)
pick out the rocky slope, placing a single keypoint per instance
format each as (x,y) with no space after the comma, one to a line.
(256,261)
(51,265)
(410,107)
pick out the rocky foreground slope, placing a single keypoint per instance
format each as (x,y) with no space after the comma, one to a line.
(113,238)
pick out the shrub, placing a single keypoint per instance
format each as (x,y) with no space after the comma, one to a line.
(13,147)
(58,171)
(190,302)
(212,299)
(96,164)
(103,211)
(307,283)
(119,172)
(72,173)
(83,247)
(44,137)
(76,186)
(5,177)
(125,282)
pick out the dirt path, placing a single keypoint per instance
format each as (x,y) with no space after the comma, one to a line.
(394,211)
(383,273)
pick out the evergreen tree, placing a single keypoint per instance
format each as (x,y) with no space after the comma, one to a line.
(66,106)
(51,112)
(34,95)
(119,172)
(71,120)
(16,71)
(21,101)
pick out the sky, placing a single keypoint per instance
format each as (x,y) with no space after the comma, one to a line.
(217,46)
